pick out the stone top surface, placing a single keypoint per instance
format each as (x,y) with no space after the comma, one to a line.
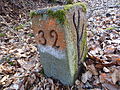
(64,7)
(44,10)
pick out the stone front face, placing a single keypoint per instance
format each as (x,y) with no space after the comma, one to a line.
(61,45)
(49,33)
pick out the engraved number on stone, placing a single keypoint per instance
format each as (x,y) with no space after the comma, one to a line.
(42,37)
(54,35)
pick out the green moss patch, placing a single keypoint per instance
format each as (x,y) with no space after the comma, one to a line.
(11,63)
(42,71)
(84,7)
(69,6)
(59,15)
(2,34)
(31,34)
(69,1)
(33,13)
(19,27)
(111,28)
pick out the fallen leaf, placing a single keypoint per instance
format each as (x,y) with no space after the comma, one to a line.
(92,69)
(106,69)
(77,82)
(108,86)
(113,57)
(4,78)
(115,76)
(103,77)
(85,76)
(109,50)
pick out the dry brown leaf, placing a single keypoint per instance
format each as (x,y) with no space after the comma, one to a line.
(85,76)
(100,66)
(113,57)
(4,78)
(108,86)
(8,82)
(115,76)
(109,50)
(92,69)
(103,77)
(7,69)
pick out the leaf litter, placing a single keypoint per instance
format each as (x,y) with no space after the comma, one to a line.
(20,67)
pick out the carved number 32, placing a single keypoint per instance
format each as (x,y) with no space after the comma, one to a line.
(53,34)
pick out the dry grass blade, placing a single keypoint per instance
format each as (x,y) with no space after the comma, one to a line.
(95,58)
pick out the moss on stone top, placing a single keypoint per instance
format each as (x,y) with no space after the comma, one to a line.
(58,12)
(69,6)
(84,7)
(33,13)
(69,1)
(59,15)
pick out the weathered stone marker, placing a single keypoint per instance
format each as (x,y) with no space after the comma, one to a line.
(61,37)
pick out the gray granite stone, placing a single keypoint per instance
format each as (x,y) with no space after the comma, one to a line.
(61,37)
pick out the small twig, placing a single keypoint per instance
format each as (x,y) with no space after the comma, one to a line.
(95,58)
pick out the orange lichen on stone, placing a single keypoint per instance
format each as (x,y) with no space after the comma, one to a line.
(49,32)
(51,22)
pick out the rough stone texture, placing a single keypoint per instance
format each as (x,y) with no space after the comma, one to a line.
(62,46)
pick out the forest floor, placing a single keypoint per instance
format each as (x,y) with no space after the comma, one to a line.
(20,68)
